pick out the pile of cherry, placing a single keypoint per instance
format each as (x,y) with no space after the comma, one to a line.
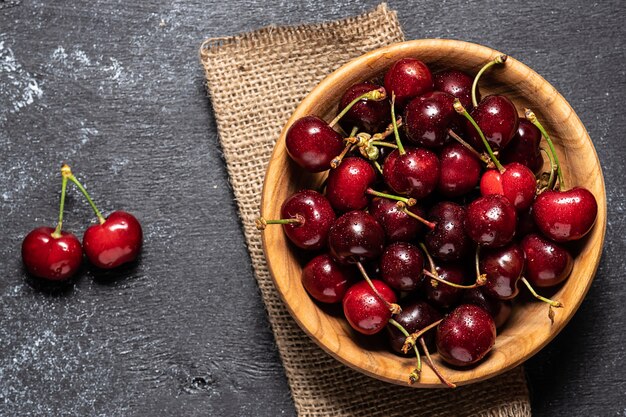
(441,205)
(53,255)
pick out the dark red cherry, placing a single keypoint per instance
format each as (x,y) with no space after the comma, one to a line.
(497,118)
(313,144)
(401,266)
(458,84)
(565,215)
(311,217)
(427,119)
(416,173)
(460,170)
(490,221)
(524,147)
(115,242)
(499,310)
(466,335)
(364,310)
(503,267)
(356,237)
(547,263)
(399,226)
(517,183)
(369,115)
(414,317)
(408,78)
(347,184)
(448,241)
(325,280)
(49,257)
(445,296)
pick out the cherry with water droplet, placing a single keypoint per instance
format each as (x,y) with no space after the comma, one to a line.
(490,221)
(364,309)
(408,78)
(325,280)
(356,237)
(401,266)
(547,262)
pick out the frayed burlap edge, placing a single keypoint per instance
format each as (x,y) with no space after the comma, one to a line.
(255,81)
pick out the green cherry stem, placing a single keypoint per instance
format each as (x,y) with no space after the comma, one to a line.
(67,172)
(261,223)
(393,307)
(57,232)
(414,376)
(532,118)
(375,95)
(433,268)
(500,59)
(408,201)
(552,178)
(395,124)
(412,338)
(386,144)
(433,367)
(480,281)
(420,219)
(461,110)
(556,304)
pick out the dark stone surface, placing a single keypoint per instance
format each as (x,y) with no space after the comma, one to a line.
(115,89)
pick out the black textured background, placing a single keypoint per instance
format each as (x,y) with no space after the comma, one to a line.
(115,89)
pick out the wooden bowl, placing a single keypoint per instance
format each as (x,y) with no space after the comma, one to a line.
(528,329)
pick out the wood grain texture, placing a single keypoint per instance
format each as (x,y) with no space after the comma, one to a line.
(134,348)
(528,329)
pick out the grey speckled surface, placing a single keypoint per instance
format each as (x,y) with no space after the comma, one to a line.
(115,89)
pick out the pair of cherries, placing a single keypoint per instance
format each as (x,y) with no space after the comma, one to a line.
(417,217)
(52,254)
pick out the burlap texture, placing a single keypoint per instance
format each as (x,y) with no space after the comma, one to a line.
(255,81)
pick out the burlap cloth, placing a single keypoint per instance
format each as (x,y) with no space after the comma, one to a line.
(255,81)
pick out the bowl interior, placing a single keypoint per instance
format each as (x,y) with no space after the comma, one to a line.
(528,329)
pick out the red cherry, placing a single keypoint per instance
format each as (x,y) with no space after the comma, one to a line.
(401,266)
(457,83)
(115,242)
(503,267)
(325,280)
(497,118)
(313,144)
(413,318)
(49,257)
(368,115)
(565,215)
(490,221)
(416,173)
(365,311)
(448,240)
(398,225)
(460,170)
(466,335)
(356,237)
(547,263)
(408,78)
(524,147)
(428,117)
(347,185)
(517,183)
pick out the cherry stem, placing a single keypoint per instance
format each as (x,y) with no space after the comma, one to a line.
(412,339)
(377,165)
(386,144)
(408,201)
(500,59)
(479,282)
(337,160)
(393,307)
(261,223)
(461,110)
(395,124)
(552,178)
(433,367)
(469,147)
(433,268)
(555,304)
(409,213)
(532,118)
(67,172)
(388,131)
(57,232)
(417,372)
(375,95)
(479,277)
(354,130)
